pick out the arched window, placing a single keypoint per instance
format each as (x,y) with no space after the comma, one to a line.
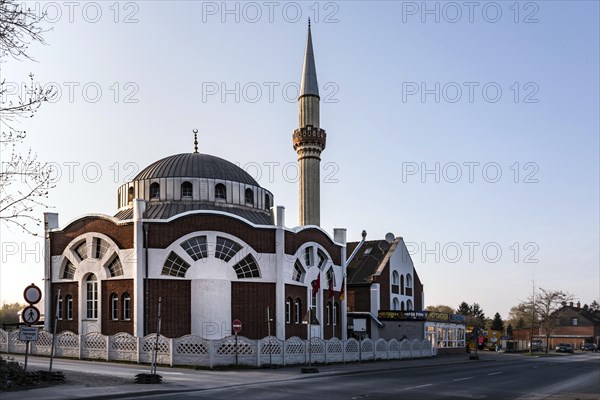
(401,284)
(267,202)
(220,192)
(126,306)
(395,304)
(91,285)
(288,310)
(69,299)
(395,278)
(69,271)
(154,191)
(249,197)
(130,195)
(409,305)
(402,306)
(336,313)
(59,307)
(114,307)
(298,311)
(408,281)
(186,190)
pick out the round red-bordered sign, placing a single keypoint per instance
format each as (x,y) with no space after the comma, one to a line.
(30,315)
(32,294)
(237,325)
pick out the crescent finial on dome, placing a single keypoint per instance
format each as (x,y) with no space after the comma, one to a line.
(195,140)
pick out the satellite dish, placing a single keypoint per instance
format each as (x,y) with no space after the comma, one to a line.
(384,246)
(389,237)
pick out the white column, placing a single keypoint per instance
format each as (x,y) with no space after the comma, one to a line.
(50,222)
(279,219)
(339,236)
(138,263)
(375,298)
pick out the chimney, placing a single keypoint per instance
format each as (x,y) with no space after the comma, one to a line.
(578,305)
(570,304)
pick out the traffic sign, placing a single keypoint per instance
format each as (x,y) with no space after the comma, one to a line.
(32,294)
(28,333)
(30,315)
(237,326)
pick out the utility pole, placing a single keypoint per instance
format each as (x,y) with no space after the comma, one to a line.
(532,314)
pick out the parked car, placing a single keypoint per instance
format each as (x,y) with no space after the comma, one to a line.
(564,348)
(589,347)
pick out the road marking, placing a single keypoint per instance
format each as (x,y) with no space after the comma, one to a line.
(494,373)
(417,387)
(462,379)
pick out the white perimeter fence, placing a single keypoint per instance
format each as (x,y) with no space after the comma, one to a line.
(196,351)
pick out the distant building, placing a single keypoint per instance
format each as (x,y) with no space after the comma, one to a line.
(576,326)
(381,277)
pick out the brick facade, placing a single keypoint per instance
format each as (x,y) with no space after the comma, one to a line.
(122,235)
(120,287)
(293,241)
(293,329)
(249,302)
(66,289)
(162,235)
(176,313)
(359,298)
(328,329)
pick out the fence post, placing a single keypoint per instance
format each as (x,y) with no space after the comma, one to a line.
(258,351)
(138,347)
(211,353)
(79,341)
(171,352)
(106,343)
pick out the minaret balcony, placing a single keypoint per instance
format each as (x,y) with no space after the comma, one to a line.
(309,136)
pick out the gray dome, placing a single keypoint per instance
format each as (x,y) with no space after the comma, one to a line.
(196,165)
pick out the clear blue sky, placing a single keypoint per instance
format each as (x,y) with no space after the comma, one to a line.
(494,89)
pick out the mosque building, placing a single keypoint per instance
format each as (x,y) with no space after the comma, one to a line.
(199,236)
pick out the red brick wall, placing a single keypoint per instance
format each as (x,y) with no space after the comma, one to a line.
(176,310)
(119,287)
(328,330)
(385,288)
(249,302)
(293,241)
(418,293)
(359,298)
(66,288)
(161,235)
(294,329)
(122,235)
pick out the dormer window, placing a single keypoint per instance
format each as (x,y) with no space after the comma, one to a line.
(267,202)
(220,192)
(154,191)
(186,190)
(249,197)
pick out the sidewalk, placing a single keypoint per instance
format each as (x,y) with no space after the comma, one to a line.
(183,379)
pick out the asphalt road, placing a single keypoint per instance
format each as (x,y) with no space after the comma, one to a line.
(495,376)
(571,377)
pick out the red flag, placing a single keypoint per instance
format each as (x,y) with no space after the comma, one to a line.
(331,288)
(316,284)
(342,292)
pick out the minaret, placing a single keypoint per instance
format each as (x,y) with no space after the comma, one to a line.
(309,140)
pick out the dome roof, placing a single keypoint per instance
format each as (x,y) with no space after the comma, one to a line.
(196,165)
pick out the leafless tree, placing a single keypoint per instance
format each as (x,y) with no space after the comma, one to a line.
(549,305)
(24,181)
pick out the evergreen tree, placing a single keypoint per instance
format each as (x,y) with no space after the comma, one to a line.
(497,323)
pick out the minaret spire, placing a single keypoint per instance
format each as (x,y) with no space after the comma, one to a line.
(309,85)
(309,139)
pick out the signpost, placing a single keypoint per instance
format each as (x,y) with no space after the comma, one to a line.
(30,315)
(237,327)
